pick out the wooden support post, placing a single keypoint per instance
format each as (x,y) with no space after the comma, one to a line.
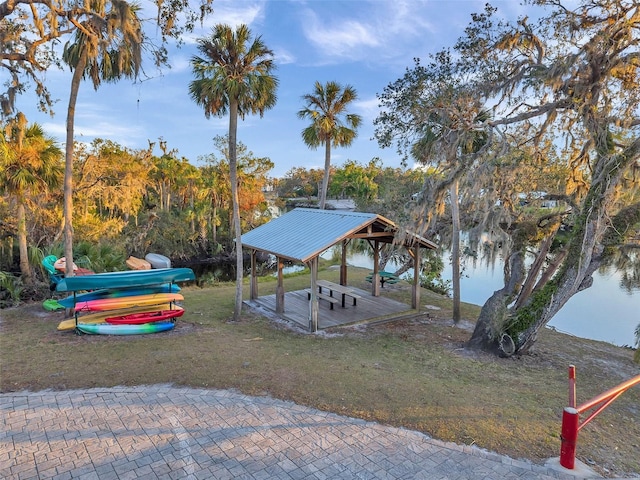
(254,276)
(280,287)
(375,279)
(313,302)
(343,264)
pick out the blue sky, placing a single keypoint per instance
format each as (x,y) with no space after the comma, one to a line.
(366,44)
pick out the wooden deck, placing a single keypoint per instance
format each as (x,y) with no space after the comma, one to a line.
(368,309)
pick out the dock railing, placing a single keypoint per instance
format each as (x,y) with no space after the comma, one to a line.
(571,415)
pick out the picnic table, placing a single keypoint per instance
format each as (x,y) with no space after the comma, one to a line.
(344,291)
(385,277)
(341,289)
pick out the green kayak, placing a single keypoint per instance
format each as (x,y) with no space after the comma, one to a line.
(52,305)
(130,278)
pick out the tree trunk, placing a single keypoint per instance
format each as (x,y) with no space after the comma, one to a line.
(585,254)
(536,267)
(551,269)
(576,276)
(405,267)
(233,176)
(203,227)
(68,165)
(161,195)
(25,268)
(325,178)
(455,250)
(214,221)
(193,213)
(491,324)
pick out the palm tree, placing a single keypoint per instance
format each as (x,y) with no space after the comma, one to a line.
(234,75)
(106,47)
(325,107)
(30,162)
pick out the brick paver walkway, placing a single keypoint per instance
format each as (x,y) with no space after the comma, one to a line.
(164,432)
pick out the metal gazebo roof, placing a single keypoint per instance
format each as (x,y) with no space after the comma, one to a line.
(304,233)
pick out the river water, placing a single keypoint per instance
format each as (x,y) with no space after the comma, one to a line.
(602,312)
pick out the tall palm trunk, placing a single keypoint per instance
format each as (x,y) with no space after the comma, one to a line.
(455,250)
(68,164)
(193,214)
(214,225)
(233,176)
(325,178)
(25,268)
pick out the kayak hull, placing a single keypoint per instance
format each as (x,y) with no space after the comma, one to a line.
(52,305)
(110,329)
(145,317)
(129,278)
(69,324)
(158,261)
(70,301)
(117,303)
(137,263)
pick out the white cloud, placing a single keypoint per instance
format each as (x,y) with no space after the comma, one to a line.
(179,64)
(404,19)
(93,123)
(235,13)
(96,121)
(283,57)
(55,129)
(377,32)
(343,38)
(368,108)
(229,13)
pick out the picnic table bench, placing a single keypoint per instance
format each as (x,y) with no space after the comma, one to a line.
(328,298)
(343,290)
(385,277)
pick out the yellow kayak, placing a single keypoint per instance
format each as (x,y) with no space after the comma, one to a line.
(70,323)
(100,304)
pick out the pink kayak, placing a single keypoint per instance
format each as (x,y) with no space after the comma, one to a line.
(145,317)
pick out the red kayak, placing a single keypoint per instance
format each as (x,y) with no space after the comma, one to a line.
(145,317)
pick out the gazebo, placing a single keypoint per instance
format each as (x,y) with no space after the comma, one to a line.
(303,234)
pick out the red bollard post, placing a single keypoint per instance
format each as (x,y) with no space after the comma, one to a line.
(569,437)
(572,386)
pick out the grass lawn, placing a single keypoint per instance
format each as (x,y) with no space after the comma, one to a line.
(413,373)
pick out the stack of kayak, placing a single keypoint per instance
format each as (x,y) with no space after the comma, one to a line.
(124,303)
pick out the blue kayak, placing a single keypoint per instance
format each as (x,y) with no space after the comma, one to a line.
(70,301)
(131,278)
(109,329)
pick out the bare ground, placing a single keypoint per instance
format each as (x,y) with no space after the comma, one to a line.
(415,373)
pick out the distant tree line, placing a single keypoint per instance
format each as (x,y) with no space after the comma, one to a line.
(135,201)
